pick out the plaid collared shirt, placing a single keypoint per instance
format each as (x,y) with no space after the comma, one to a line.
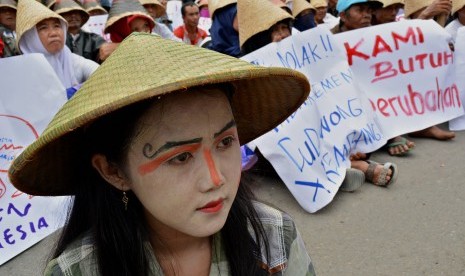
(288,255)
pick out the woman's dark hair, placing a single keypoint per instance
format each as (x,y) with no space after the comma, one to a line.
(119,235)
(262,39)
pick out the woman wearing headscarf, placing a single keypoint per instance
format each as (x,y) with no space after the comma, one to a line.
(43,31)
(224,30)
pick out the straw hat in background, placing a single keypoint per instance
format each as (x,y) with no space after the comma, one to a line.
(299,6)
(147,67)
(201,3)
(160,10)
(387,3)
(319,3)
(64,6)
(31,12)
(282,5)
(412,6)
(255,16)
(92,5)
(124,8)
(214,5)
(8,4)
(457,5)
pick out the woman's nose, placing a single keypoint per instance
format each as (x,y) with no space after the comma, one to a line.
(215,176)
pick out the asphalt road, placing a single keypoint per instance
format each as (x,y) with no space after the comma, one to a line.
(414,227)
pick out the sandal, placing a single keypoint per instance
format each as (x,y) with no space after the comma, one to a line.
(401,141)
(370,173)
(353,180)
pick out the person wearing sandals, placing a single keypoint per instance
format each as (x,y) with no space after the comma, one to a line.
(150,152)
(355,14)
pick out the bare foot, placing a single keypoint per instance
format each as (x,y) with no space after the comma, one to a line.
(374,178)
(399,145)
(434,132)
(358,156)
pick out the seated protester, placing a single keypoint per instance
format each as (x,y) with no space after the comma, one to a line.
(8,46)
(332,8)
(304,15)
(78,41)
(356,14)
(43,31)
(126,17)
(458,13)
(322,16)
(152,161)
(258,29)
(93,8)
(437,10)
(388,13)
(155,9)
(164,19)
(224,30)
(189,32)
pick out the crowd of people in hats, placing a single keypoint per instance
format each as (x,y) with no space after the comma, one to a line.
(151,151)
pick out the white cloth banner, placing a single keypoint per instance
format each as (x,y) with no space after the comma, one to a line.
(407,70)
(459,123)
(310,149)
(30,95)
(173,11)
(96,25)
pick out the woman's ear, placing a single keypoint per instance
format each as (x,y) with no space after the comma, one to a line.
(110,172)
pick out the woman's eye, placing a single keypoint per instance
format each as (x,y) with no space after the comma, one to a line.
(226,142)
(181,158)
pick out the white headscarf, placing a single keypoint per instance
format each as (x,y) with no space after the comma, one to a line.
(61,62)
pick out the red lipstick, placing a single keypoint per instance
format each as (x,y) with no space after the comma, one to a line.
(212,206)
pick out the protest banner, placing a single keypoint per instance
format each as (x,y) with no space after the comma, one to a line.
(406,69)
(31,94)
(173,11)
(310,150)
(96,25)
(459,123)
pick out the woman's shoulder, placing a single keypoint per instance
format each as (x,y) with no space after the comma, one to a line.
(79,258)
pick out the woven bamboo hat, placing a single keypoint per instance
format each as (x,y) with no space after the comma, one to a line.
(457,5)
(8,4)
(124,8)
(214,5)
(64,6)
(263,98)
(255,16)
(49,3)
(282,5)
(412,6)
(299,6)
(92,5)
(31,12)
(319,3)
(159,9)
(387,3)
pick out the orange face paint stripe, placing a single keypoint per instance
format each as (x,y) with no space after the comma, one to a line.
(211,167)
(153,164)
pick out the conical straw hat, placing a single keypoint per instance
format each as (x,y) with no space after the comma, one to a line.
(8,4)
(412,6)
(123,8)
(214,5)
(282,5)
(144,67)
(457,5)
(31,12)
(387,3)
(49,3)
(299,6)
(319,3)
(64,6)
(159,10)
(91,5)
(255,16)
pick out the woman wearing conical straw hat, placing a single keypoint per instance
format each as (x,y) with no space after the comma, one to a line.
(41,30)
(152,159)
(78,41)
(304,15)
(8,45)
(260,23)
(93,8)
(388,13)
(458,13)
(155,9)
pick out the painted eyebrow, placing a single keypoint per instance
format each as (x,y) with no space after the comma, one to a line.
(229,125)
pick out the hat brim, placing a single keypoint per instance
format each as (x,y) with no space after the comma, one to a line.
(264,97)
(85,15)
